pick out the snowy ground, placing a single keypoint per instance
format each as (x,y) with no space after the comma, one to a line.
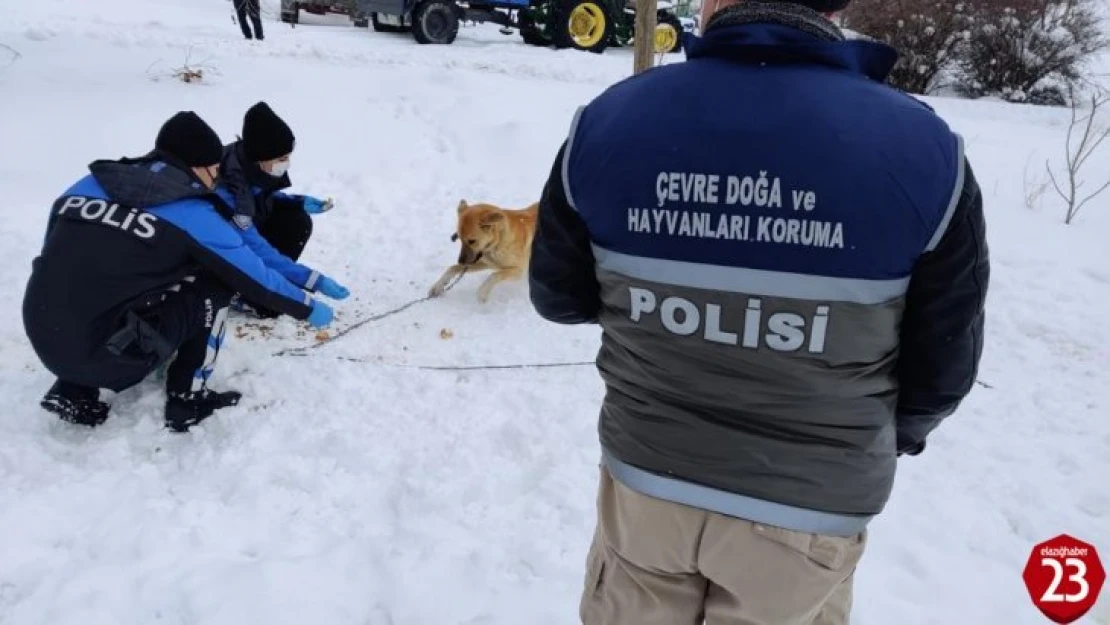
(375,493)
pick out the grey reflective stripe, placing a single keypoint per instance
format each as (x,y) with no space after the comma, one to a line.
(307,300)
(954,200)
(732,504)
(566,156)
(750,281)
(312,278)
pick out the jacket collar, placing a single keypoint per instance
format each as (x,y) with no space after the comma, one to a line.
(777,43)
(255,176)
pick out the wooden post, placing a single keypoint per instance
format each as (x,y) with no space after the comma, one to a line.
(645,35)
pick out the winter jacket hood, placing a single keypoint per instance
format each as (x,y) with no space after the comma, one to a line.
(147,181)
(244,178)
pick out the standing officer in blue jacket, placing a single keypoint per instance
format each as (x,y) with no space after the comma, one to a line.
(139,263)
(254,172)
(791,294)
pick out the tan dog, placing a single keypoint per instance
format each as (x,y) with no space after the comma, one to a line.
(491,238)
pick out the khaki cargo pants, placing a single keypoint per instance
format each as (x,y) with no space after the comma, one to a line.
(654,562)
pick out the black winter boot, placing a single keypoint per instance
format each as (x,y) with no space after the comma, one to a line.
(76,404)
(184,410)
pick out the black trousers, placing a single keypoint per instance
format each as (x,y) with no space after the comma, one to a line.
(189,321)
(245,8)
(288,231)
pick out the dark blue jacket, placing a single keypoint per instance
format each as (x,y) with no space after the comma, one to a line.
(118,240)
(788,261)
(256,194)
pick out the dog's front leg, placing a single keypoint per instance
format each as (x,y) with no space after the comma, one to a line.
(448,275)
(494,279)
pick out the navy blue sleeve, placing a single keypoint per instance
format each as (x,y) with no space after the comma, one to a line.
(562,284)
(220,248)
(942,327)
(296,273)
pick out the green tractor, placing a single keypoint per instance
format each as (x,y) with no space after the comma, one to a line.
(591,25)
(594,25)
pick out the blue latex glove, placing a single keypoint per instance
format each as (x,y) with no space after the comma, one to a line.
(315,206)
(331,288)
(321,314)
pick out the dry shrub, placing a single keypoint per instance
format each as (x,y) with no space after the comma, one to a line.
(1029,51)
(926,33)
(189,72)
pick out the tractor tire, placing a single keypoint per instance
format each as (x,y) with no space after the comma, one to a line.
(379,27)
(668,33)
(435,21)
(529,32)
(582,25)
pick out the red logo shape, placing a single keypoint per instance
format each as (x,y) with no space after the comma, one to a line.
(1064,577)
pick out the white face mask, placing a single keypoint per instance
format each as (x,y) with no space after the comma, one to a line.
(279,169)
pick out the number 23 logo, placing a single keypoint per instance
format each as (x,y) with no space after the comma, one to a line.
(1079,577)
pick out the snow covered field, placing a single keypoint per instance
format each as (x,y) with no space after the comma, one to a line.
(373,492)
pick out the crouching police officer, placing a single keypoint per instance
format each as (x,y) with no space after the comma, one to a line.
(253,176)
(140,262)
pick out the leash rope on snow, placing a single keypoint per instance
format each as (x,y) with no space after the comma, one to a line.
(300,351)
(527,365)
(530,365)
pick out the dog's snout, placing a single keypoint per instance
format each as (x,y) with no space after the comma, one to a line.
(454,236)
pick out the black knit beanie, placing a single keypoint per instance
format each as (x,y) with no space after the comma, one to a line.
(189,138)
(825,6)
(821,6)
(265,135)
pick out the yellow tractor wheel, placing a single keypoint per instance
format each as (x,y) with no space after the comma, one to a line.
(586,25)
(668,34)
(581,24)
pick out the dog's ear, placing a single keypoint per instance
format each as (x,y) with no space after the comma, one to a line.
(462,206)
(491,218)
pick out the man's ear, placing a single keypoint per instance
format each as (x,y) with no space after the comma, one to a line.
(462,206)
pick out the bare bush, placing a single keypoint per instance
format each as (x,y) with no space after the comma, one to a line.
(1029,51)
(926,33)
(1076,152)
(189,72)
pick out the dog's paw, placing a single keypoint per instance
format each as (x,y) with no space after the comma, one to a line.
(438,288)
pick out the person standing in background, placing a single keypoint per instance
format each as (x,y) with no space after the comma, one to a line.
(251,7)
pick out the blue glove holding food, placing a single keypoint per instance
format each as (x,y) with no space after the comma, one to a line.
(315,206)
(330,288)
(321,315)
